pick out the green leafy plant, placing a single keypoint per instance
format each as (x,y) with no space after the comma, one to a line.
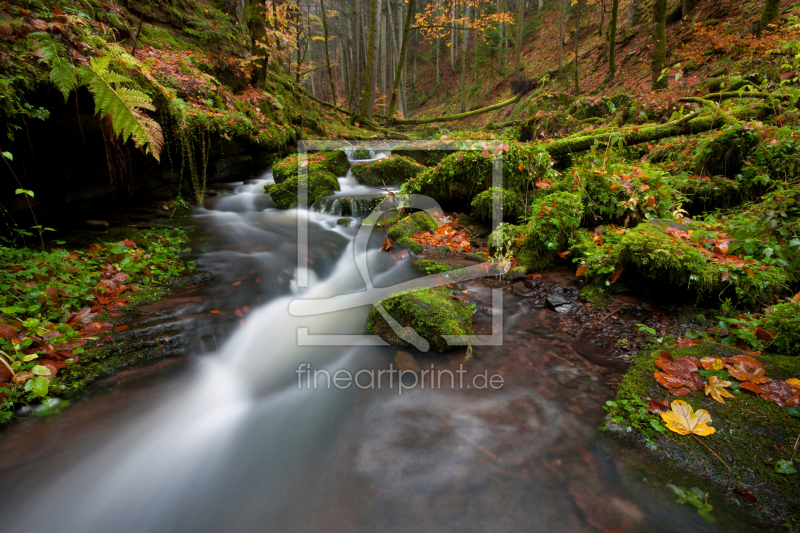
(633,413)
(696,497)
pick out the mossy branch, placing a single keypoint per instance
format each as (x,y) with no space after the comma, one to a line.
(458,116)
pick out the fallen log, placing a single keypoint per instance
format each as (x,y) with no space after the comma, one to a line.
(459,116)
(697,122)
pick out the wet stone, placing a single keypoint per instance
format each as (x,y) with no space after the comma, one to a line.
(555,300)
(523,288)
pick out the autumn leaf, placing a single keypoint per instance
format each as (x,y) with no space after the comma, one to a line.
(794,382)
(387,245)
(521,167)
(581,270)
(658,406)
(615,276)
(712,363)
(776,391)
(745,368)
(651,201)
(683,420)
(563,255)
(716,389)
(683,342)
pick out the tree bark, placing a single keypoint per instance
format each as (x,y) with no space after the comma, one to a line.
(401,62)
(634,13)
(370,71)
(612,40)
(327,55)
(520,21)
(561,37)
(772,9)
(659,59)
(384,54)
(577,30)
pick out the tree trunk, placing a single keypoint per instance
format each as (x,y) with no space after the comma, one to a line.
(612,40)
(687,7)
(401,62)
(659,59)
(453,38)
(635,9)
(384,55)
(520,20)
(370,72)
(561,37)
(327,55)
(772,9)
(577,28)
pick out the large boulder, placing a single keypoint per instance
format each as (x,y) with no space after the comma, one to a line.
(320,183)
(334,161)
(392,170)
(432,312)
(403,229)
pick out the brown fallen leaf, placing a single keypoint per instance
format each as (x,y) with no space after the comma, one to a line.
(776,391)
(615,276)
(764,335)
(745,368)
(673,384)
(581,270)
(563,255)
(387,245)
(239,313)
(683,342)
(682,367)
(120,328)
(651,201)
(658,406)
(746,494)
(712,363)
(794,382)
(95,328)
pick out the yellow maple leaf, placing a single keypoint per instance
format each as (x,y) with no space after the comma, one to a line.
(716,389)
(683,420)
(794,382)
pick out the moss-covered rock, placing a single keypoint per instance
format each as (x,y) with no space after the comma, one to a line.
(320,183)
(392,170)
(427,158)
(784,320)
(752,434)
(431,312)
(334,161)
(511,201)
(553,222)
(404,228)
(652,253)
(461,176)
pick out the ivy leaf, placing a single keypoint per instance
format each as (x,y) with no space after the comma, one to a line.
(683,420)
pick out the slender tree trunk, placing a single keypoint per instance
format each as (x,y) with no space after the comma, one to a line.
(772,9)
(561,36)
(343,65)
(577,30)
(370,72)
(463,82)
(520,21)
(659,59)
(401,62)
(453,37)
(612,40)
(384,55)
(327,55)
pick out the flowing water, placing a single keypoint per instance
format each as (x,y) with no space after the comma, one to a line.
(235,440)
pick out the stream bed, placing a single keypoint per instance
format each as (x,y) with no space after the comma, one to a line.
(233,438)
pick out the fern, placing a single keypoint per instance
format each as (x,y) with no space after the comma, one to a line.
(124,105)
(63,75)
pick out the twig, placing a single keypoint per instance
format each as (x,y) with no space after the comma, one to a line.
(609,314)
(27,198)
(712,451)
(796,442)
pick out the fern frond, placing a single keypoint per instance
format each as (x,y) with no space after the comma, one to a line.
(124,106)
(62,74)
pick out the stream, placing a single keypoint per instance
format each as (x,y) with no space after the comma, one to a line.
(233,439)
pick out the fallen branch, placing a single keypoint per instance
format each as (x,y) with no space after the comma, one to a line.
(459,116)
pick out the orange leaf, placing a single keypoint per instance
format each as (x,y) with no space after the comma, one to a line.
(615,276)
(215,312)
(581,270)
(120,328)
(235,283)
(563,255)
(651,201)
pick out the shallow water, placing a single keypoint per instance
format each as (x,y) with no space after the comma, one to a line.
(235,439)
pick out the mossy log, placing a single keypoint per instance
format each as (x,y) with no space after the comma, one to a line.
(690,124)
(458,116)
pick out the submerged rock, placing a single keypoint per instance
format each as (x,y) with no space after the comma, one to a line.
(334,161)
(432,312)
(320,183)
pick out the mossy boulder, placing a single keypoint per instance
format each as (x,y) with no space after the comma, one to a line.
(651,253)
(461,176)
(548,124)
(752,434)
(784,320)
(404,228)
(432,312)
(428,158)
(554,220)
(512,203)
(334,161)
(320,183)
(392,170)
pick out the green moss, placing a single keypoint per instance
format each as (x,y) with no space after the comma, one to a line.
(335,162)
(512,203)
(343,222)
(461,176)
(427,158)
(392,170)
(658,256)
(320,183)
(752,433)
(428,266)
(432,312)
(403,229)
(553,222)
